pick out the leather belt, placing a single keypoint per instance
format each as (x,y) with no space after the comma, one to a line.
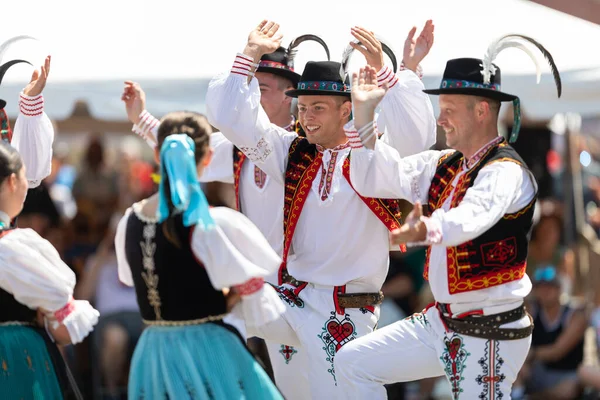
(359,300)
(488,326)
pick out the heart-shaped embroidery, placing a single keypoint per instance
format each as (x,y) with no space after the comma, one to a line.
(340,332)
(453,347)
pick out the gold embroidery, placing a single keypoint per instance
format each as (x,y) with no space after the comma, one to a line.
(150,278)
(4,365)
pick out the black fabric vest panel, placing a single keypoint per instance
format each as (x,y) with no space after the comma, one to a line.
(542,336)
(12,310)
(183,285)
(501,248)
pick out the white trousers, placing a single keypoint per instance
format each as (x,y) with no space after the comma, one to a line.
(312,323)
(420,347)
(290,369)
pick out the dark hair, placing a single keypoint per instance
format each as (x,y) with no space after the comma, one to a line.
(10,161)
(196,126)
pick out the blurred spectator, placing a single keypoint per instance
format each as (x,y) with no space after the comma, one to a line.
(120,324)
(557,342)
(96,189)
(546,248)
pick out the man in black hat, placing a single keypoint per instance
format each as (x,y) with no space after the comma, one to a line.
(345,275)
(480,199)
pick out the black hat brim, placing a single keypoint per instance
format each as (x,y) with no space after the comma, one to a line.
(313,92)
(2,104)
(284,73)
(488,93)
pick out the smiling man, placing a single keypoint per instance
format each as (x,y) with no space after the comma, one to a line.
(335,242)
(480,198)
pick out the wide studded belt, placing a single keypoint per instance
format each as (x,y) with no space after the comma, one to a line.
(488,326)
(359,300)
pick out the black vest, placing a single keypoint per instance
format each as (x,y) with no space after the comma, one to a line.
(542,335)
(170,283)
(497,256)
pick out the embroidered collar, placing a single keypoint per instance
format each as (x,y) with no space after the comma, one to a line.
(468,164)
(339,147)
(4,220)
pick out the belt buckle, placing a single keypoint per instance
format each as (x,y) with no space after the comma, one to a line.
(444,309)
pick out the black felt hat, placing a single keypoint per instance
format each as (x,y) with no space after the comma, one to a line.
(321,78)
(481,77)
(463,76)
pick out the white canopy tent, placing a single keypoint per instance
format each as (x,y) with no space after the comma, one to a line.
(157,42)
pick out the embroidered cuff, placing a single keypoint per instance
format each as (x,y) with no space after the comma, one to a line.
(386,75)
(31,106)
(419,72)
(249,287)
(352,135)
(357,138)
(259,153)
(64,312)
(243,65)
(434,230)
(146,125)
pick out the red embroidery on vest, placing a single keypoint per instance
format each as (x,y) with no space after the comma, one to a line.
(260,178)
(497,254)
(238,160)
(387,210)
(303,165)
(475,265)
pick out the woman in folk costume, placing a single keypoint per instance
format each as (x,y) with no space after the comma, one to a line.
(480,198)
(36,290)
(180,256)
(33,133)
(256,196)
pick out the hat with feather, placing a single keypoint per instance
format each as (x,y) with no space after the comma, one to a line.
(5,131)
(476,77)
(330,78)
(281,61)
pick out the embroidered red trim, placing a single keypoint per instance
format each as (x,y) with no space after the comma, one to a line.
(249,287)
(65,311)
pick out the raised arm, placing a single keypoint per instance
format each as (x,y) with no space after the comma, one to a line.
(33,272)
(406,121)
(233,106)
(376,169)
(34,134)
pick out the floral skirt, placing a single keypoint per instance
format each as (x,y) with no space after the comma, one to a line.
(26,367)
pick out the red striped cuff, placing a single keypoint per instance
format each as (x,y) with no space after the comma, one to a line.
(31,106)
(146,125)
(243,65)
(353,138)
(249,287)
(386,75)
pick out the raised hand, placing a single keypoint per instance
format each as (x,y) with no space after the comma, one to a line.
(415,50)
(370,47)
(413,230)
(38,80)
(263,39)
(366,95)
(135,101)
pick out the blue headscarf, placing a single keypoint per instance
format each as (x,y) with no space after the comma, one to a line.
(178,164)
